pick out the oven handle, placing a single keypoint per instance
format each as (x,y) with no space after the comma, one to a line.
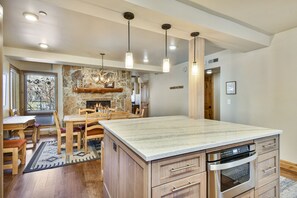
(217,167)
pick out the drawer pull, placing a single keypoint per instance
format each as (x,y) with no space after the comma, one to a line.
(269,145)
(174,189)
(182,168)
(268,170)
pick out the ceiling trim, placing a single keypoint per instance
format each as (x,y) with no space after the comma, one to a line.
(65,59)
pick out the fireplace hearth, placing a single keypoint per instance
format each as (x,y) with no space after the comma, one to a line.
(91,104)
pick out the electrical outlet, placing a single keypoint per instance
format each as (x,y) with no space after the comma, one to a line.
(228,101)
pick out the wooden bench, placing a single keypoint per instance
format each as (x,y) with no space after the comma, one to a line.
(18,150)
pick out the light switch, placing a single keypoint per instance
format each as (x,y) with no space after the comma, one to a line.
(228,101)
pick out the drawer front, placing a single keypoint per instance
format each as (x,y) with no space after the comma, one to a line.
(248,194)
(267,168)
(269,190)
(190,187)
(266,145)
(171,169)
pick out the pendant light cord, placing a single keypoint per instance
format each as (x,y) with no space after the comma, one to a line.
(195,49)
(128,35)
(165,43)
(102,60)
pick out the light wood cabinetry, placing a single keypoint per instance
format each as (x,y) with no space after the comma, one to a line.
(110,165)
(248,194)
(126,175)
(269,190)
(171,169)
(267,167)
(190,187)
(265,145)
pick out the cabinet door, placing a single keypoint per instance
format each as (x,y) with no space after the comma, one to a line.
(110,168)
(269,190)
(190,187)
(131,177)
(248,194)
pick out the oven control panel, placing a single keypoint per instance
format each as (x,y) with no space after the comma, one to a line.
(235,151)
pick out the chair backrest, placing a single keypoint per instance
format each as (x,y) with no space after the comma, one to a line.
(84,111)
(142,113)
(139,112)
(92,121)
(57,122)
(119,115)
(13,112)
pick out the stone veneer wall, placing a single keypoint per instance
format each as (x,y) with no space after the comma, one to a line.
(75,76)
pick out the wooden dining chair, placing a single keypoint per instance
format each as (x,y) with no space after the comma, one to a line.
(61,132)
(93,130)
(84,111)
(16,149)
(119,115)
(139,112)
(29,131)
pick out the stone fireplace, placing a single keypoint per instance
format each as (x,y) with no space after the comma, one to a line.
(74,76)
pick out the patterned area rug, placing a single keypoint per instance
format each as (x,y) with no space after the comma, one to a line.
(46,156)
(288,188)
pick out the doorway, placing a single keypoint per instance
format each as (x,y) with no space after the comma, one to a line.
(212,94)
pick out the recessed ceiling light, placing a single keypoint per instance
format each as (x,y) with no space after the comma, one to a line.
(30,16)
(209,71)
(145,60)
(43,45)
(172,47)
(42,13)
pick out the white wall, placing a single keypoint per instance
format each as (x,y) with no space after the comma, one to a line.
(164,101)
(266,88)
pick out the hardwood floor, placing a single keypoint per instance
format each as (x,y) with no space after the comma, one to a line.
(79,180)
(288,174)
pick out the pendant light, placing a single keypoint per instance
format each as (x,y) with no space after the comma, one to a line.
(166,62)
(101,71)
(195,68)
(129,55)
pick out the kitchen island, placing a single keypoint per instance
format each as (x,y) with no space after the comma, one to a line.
(166,156)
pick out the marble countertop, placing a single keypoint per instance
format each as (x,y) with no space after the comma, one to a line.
(159,137)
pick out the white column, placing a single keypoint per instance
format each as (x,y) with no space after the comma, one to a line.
(196,82)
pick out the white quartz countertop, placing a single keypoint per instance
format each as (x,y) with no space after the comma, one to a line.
(160,137)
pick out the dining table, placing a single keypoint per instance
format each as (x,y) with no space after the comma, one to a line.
(19,124)
(73,120)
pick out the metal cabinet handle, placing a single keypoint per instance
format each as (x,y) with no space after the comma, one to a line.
(174,189)
(182,168)
(268,170)
(269,145)
(216,167)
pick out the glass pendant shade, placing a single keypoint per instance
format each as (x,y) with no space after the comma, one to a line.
(166,65)
(195,69)
(129,60)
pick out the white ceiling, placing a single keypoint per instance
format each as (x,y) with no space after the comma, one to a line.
(87,27)
(269,16)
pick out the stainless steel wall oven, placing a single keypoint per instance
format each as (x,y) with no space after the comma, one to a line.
(231,171)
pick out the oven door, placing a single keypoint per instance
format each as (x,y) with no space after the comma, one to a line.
(229,178)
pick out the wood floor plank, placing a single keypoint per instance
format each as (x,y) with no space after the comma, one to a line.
(76,181)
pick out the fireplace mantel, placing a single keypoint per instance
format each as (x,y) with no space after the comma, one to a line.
(97,90)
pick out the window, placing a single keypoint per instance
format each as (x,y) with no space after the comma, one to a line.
(40,92)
